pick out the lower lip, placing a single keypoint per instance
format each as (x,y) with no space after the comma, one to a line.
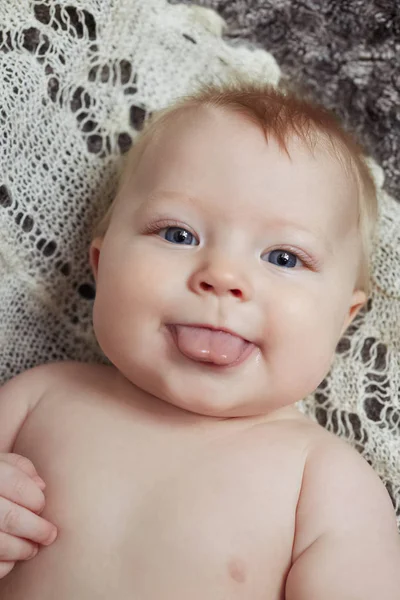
(249,349)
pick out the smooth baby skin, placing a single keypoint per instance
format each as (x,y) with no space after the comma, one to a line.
(183,472)
(152,502)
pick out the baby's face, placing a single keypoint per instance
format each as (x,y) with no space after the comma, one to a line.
(219,230)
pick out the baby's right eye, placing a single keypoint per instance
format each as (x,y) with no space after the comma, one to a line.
(178,235)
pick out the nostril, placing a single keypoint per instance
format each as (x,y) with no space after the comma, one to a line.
(207,287)
(236,293)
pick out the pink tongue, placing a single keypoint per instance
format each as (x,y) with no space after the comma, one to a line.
(208,345)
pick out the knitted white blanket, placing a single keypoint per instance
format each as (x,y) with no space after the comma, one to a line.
(77,80)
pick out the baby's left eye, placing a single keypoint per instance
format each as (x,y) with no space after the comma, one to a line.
(282,258)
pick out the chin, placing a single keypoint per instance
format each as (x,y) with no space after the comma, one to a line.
(210,404)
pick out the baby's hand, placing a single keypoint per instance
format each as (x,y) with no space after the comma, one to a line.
(21,496)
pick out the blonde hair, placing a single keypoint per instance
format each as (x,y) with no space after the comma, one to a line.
(282,114)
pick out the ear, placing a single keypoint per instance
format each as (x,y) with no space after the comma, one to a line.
(94,255)
(358,299)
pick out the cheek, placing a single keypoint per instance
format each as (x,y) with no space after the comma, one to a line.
(301,342)
(135,282)
(304,327)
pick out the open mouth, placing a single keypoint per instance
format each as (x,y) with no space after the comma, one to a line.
(212,346)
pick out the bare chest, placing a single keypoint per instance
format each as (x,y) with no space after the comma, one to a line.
(150,513)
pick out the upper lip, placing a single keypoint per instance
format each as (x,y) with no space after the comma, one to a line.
(214,328)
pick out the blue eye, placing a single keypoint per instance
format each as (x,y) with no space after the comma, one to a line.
(282,258)
(178,235)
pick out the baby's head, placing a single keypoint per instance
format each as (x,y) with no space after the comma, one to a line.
(236,252)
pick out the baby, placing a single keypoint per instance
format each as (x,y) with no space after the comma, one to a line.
(233,258)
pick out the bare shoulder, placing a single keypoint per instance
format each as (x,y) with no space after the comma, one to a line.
(290,423)
(28,385)
(22,394)
(345,524)
(289,435)
(33,383)
(71,369)
(340,493)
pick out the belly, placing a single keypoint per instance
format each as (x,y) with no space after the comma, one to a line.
(186,540)
(155,571)
(152,516)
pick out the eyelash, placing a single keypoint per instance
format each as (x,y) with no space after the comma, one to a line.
(308,261)
(157,227)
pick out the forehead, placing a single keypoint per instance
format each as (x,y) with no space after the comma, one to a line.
(227,163)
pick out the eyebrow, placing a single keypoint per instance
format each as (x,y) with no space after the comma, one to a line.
(281,223)
(174,196)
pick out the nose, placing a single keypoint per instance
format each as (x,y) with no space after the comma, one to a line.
(221,279)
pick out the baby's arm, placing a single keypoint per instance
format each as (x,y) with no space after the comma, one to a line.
(18,397)
(21,494)
(347,546)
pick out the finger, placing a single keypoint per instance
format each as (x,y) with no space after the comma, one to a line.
(39,481)
(21,462)
(17,520)
(18,487)
(13,548)
(5,568)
